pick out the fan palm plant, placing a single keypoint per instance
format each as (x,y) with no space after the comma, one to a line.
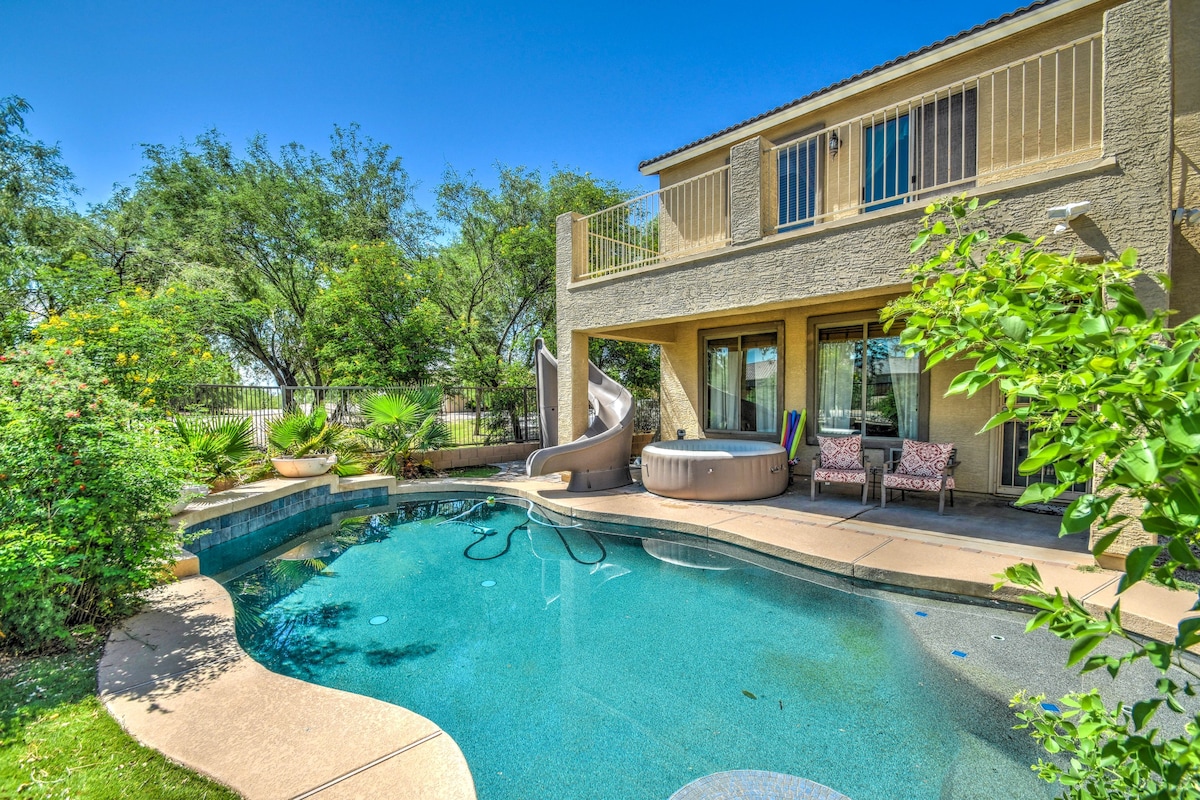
(298,434)
(221,447)
(402,423)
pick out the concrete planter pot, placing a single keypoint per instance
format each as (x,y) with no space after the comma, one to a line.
(306,467)
(187,493)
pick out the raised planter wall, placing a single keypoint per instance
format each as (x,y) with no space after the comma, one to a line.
(478,456)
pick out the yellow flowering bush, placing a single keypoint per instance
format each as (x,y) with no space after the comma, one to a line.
(153,347)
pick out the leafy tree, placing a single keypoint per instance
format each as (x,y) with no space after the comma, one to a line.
(153,347)
(377,323)
(497,277)
(631,364)
(269,230)
(1110,393)
(42,271)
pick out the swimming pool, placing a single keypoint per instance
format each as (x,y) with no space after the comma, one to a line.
(573,664)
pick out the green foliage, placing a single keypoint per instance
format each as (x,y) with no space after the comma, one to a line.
(496,280)
(41,267)
(634,365)
(376,323)
(1084,732)
(87,479)
(57,740)
(299,434)
(154,347)
(219,447)
(402,423)
(269,231)
(1110,393)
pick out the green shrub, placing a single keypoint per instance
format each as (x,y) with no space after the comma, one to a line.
(400,424)
(299,434)
(220,448)
(86,478)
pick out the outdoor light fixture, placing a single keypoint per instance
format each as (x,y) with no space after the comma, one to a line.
(834,143)
(1070,211)
(1067,213)
(1186,216)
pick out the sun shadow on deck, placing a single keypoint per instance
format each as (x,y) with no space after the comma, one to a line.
(984,518)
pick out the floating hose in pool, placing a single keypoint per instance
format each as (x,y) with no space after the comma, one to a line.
(487,533)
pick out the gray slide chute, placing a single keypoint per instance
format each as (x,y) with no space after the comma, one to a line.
(600,458)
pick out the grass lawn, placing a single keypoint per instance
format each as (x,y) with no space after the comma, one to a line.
(58,741)
(485,471)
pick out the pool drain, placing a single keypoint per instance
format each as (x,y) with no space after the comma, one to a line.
(488,584)
(379,620)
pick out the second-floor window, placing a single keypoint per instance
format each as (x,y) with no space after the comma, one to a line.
(920,150)
(798,180)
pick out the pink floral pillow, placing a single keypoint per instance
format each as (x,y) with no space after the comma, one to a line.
(841,452)
(924,459)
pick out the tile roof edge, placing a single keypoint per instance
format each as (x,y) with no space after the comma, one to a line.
(857,77)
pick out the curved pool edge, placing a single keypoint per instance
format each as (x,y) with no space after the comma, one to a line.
(887,556)
(176,679)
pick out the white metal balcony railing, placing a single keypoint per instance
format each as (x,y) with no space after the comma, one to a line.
(686,217)
(1025,117)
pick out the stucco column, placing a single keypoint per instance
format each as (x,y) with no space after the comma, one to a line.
(572,346)
(748,201)
(572,385)
(1137,131)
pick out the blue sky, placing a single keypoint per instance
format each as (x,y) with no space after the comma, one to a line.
(596,86)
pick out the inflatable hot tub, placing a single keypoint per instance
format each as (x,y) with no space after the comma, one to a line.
(715,469)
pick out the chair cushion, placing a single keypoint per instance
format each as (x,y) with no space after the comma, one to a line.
(898,480)
(841,452)
(822,475)
(924,459)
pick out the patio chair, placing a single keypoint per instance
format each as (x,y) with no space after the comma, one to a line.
(922,467)
(841,460)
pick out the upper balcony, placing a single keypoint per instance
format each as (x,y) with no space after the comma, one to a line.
(1022,119)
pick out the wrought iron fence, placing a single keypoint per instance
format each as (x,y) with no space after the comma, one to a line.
(475,415)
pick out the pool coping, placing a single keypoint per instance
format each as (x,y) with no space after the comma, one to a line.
(175,677)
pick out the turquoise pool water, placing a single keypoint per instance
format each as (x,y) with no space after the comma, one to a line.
(630,677)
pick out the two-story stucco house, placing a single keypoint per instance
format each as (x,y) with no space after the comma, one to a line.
(761,263)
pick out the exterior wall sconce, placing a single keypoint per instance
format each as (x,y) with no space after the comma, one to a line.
(1186,216)
(1067,213)
(835,143)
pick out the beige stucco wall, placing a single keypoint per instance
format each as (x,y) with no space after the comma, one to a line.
(1001,147)
(1185,160)
(1133,182)
(954,419)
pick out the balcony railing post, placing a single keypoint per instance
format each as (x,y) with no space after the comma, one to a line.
(747,200)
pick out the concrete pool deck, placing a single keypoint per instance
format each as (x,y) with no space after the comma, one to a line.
(175,677)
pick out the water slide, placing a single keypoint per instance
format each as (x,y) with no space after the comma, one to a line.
(600,458)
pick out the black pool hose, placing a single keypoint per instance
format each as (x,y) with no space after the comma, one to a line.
(486,533)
